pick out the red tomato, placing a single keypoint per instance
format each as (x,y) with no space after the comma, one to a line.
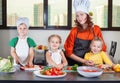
(27,66)
(60,73)
(99,66)
(69,68)
(47,72)
(53,71)
(41,66)
(88,70)
(31,66)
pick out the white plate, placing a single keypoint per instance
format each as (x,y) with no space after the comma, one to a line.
(36,67)
(12,70)
(37,73)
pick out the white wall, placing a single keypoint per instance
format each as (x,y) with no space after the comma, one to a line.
(40,36)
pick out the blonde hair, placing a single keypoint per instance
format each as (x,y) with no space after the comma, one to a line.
(97,39)
(55,35)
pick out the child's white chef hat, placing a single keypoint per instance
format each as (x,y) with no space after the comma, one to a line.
(24,20)
(81,5)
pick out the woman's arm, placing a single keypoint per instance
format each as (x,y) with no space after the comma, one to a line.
(69,43)
(81,60)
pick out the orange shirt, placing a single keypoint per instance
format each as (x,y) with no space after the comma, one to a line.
(85,35)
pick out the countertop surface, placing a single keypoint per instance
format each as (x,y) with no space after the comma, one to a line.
(24,75)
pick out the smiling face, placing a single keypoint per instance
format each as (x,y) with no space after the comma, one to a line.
(22,30)
(54,43)
(81,17)
(96,46)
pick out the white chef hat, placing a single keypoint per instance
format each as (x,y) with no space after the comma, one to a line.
(24,20)
(81,5)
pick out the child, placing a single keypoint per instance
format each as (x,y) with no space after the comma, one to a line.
(22,46)
(96,54)
(55,56)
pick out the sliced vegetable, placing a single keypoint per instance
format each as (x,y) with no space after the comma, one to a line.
(52,72)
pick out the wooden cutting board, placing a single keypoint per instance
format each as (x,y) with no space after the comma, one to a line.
(108,71)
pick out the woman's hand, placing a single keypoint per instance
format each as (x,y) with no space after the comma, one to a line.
(89,63)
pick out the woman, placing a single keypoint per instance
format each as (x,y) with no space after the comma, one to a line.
(78,41)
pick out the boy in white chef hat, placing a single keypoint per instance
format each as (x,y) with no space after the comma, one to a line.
(24,20)
(22,45)
(81,5)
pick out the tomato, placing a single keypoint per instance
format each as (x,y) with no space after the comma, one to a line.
(28,66)
(69,68)
(31,66)
(60,73)
(88,70)
(47,72)
(41,66)
(99,66)
(53,72)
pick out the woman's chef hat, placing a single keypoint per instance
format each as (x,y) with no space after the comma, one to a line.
(24,20)
(81,5)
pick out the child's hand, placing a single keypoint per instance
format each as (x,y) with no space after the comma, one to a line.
(105,66)
(17,62)
(30,64)
(60,66)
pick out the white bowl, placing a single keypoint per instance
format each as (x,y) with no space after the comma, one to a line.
(88,71)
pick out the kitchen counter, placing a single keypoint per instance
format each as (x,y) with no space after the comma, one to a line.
(28,76)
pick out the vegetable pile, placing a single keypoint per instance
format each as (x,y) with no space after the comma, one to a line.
(6,64)
(73,68)
(52,71)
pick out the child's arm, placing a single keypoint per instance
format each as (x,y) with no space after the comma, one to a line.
(31,56)
(14,55)
(49,59)
(106,59)
(64,60)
